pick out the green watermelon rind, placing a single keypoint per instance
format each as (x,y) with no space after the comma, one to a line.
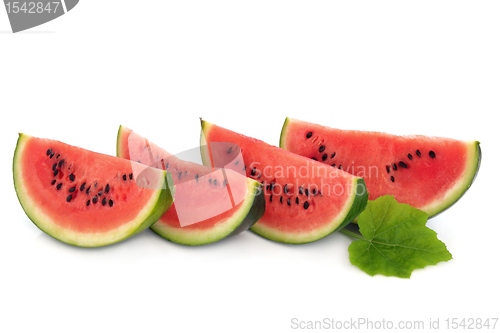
(251,210)
(156,207)
(284,130)
(205,154)
(452,195)
(461,186)
(351,210)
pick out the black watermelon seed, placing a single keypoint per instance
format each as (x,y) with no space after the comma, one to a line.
(244,167)
(99,193)
(403,164)
(308,135)
(196,177)
(271,198)
(110,203)
(297,200)
(394,166)
(49,151)
(314,191)
(106,189)
(179,177)
(236,163)
(333,155)
(410,157)
(166,166)
(71,177)
(59,186)
(72,189)
(301,190)
(58,155)
(333,165)
(271,186)
(285,189)
(340,167)
(215,181)
(124,177)
(54,166)
(324,157)
(61,162)
(52,155)
(392,179)
(313,158)
(288,202)
(103,201)
(95,184)
(88,202)
(418,153)
(388,168)
(321,148)
(281,199)
(210,180)
(53,182)
(252,173)
(307,192)
(88,190)
(306,205)
(130,176)
(230,150)
(94,199)
(432,154)
(69,197)
(56,172)
(82,187)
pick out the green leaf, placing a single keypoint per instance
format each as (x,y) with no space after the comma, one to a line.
(395,240)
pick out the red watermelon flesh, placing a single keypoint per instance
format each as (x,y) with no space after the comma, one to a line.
(210,204)
(305,200)
(429,173)
(85,198)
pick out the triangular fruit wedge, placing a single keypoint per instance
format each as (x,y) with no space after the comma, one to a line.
(305,200)
(428,173)
(210,204)
(85,198)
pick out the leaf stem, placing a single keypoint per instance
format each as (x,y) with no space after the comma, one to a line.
(352,234)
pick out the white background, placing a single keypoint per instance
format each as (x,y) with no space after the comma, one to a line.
(426,67)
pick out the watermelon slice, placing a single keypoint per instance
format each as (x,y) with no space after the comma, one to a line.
(85,198)
(429,173)
(209,204)
(305,200)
